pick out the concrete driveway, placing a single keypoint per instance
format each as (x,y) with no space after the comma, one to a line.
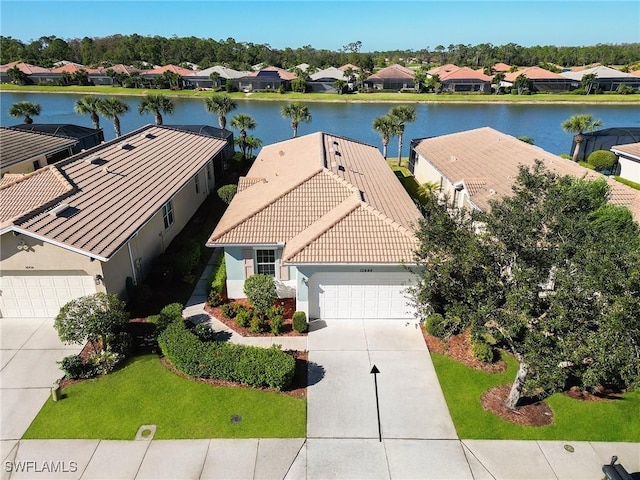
(29,350)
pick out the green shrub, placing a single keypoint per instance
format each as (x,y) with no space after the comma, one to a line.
(73,367)
(566,156)
(299,321)
(258,324)
(103,362)
(277,324)
(230,310)
(435,325)
(254,366)
(586,165)
(624,89)
(218,277)
(228,85)
(214,299)
(169,314)
(483,352)
(602,159)
(243,318)
(204,332)
(227,192)
(261,291)
(188,258)
(121,343)
(275,311)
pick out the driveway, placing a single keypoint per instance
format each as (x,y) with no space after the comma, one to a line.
(29,350)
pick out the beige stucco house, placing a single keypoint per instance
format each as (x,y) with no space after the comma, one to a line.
(628,160)
(25,151)
(327,218)
(88,222)
(472,167)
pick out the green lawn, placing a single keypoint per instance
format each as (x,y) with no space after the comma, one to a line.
(408,181)
(144,392)
(611,421)
(334,97)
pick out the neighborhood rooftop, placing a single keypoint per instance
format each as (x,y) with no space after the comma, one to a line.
(19,145)
(95,201)
(487,162)
(329,199)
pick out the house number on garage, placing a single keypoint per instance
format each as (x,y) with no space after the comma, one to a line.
(366,270)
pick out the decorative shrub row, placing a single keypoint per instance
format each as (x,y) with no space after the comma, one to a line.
(253,366)
(98,364)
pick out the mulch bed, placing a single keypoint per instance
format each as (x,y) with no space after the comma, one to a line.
(601,395)
(289,305)
(535,414)
(458,347)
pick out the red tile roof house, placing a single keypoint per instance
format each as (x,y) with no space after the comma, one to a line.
(475,166)
(465,79)
(267,78)
(628,161)
(35,74)
(154,73)
(328,219)
(541,80)
(87,223)
(395,77)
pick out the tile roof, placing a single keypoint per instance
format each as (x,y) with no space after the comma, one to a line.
(487,162)
(224,72)
(331,72)
(110,199)
(501,67)
(26,68)
(20,145)
(393,71)
(630,149)
(70,67)
(282,74)
(167,68)
(599,71)
(353,67)
(442,69)
(533,73)
(318,191)
(464,73)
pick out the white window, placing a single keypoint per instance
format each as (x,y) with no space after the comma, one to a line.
(266,262)
(167,214)
(197,183)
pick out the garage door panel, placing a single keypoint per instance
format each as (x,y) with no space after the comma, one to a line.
(41,296)
(359,295)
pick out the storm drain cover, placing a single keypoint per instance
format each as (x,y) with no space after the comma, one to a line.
(236,418)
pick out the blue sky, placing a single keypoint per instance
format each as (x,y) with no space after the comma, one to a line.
(379,25)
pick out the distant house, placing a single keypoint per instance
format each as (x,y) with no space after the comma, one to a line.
(202,78)
(605,139)
(541,80)
(327,218)
(500,68)
(88,223)
(607,79)
(324,80)
(87,137)
(33,73)
(628,161)
(395,77)
(464,79)
(475,166)
(267,78)
(25,151)
(154,73)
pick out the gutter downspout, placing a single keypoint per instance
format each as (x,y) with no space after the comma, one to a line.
(133,267)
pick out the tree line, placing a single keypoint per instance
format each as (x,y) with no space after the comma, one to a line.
(143,51)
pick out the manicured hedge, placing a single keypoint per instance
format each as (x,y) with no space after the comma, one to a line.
(253,366)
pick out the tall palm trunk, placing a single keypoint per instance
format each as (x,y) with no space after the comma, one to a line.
(400,135)
(578,139)
(294,126)
(385,143)
(95,120)
(243,143)
(116,125)
(222,120)
(158,118)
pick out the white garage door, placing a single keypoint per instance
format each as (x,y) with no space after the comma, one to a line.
(359,295)
(41,296)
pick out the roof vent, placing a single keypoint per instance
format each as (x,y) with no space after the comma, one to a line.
(492,191)
(338,154)
(335,143)
(96,160)
(341,168)
(126,146)
(453,158)
(58,209)
(147,135)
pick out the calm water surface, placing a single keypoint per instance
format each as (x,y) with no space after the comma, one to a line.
(354,120)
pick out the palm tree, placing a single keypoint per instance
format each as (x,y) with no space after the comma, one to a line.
(112,108)
(297,112)
(521,83)
(89,105)
(498,78)
(419,79)
(579,124)
(26,110)
(156,104)
(221,105)
(386,127)
(243,122)
(340,85)
(214,77)
(401,115)
(252,143)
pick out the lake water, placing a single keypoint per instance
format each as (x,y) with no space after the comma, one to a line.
(353,120)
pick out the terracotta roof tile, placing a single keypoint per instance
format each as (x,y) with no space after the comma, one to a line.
(114,199)
(167,68)
(394,71)
(311,185)
(463,73)
(487,154)
(631,149)
(533,73)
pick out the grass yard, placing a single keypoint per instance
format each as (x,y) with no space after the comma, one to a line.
(606,421)
(144,392)
(408,181)
(334,97)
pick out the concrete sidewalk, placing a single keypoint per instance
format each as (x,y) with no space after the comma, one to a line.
(311,459)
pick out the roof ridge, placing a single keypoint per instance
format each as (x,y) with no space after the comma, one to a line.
(265,205)
(321,226)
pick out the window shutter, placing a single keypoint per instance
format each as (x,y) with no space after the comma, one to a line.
(247,256)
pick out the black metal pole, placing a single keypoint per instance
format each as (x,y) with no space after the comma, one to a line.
(375,372)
